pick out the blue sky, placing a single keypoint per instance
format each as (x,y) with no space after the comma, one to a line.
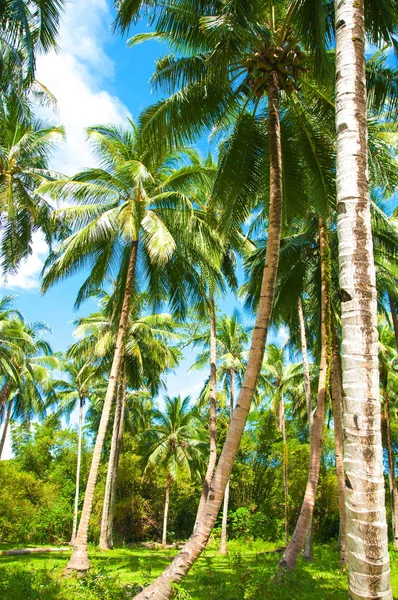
(96,79)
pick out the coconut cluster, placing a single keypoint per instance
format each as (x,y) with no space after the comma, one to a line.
(286,61)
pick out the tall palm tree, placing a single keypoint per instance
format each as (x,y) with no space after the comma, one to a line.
(129,214)
(363,461)
(175,443)
(25,148)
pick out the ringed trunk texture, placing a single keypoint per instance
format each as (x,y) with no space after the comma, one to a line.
(103,543)
(166,512)
(213,410)
(79,559)
(223,543)
(391,470)
(5,428)
(337,408)
(368,560)
(308,550)
(78,468)
(296,543)
(114,473)
(161,589)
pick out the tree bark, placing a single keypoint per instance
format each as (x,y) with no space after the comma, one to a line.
(368,560)
(337,408)
(79,559)
(166,512)
(5,427)
(103,543)
(161,589)
(295,546)
(4,392)
(213,410)
(308,550)
(78,468)
(285,468)
(223,543)
(391,470)
(114,477)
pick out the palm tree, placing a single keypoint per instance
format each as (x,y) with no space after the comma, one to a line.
(79,385)
(175,443)
(25,148)
(362,424)
(28,28)
(134,214)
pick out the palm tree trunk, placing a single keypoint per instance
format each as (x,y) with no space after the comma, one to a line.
(5,390)
(79,559)
(166,512)
(213,409)
(285,468)
(368,560)
(5,427)
(114,474)
(103,543)
(308,550)
(394,317)
(224,523)
(79,458)
(295,546)
(161,588)
(337,407)
(391,470)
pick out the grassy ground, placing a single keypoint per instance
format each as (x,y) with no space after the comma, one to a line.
(246,573)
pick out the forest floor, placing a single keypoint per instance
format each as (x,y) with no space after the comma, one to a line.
(246,573)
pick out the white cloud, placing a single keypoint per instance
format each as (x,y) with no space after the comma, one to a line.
(77,75)
(28,275)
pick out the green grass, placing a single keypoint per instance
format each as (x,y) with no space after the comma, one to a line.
(246,573)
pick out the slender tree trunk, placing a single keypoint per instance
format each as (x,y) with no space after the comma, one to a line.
(79,559)
(367,539)
(394,317)
(114,475)
(166,512)
(5,427)
(161,589)
(391,470)
(103,543)
(285,467)
(308,551)
(295,546)
(223,543)
(337,407)
(78,468)
(213,409)
(4,392)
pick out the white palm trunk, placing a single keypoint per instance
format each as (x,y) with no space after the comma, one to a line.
(223,542)
(368,560)
(78,469)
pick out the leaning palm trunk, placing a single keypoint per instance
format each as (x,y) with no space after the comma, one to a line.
(114,472)
(308,551)
(285,467)
(337,408)
(213,410)
(296,543)
(391,470)
(5,427)
(78,468)
(166,511)
(79,559)
(394,317)
(224,523)
(103,543)
(368,560)
(161,588)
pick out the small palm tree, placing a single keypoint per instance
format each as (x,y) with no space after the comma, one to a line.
(176,444)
